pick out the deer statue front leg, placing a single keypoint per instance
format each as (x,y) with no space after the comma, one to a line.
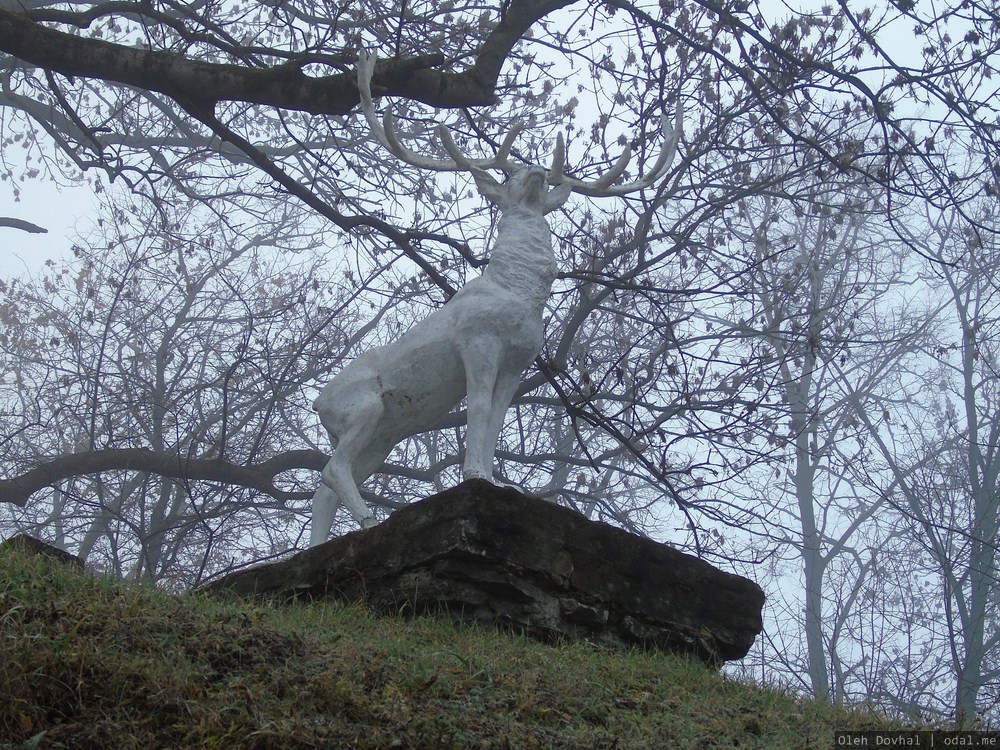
(493,368)
(482,364)
(481,439)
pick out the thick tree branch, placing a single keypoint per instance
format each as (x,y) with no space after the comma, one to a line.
(284,85)
(27,226)
(515,21)
(18,490)
(168,73)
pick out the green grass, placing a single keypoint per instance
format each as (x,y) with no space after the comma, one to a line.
(86,662)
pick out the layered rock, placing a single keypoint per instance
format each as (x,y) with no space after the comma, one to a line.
(28,543)
(490,554)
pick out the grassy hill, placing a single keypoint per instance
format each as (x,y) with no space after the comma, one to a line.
(87,662)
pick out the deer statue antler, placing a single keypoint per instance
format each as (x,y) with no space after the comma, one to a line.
(603,186)
(385,133)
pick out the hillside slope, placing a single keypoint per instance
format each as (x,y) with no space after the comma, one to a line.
(87,662)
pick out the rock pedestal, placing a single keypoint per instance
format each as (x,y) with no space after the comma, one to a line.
(485,553)
(27,543)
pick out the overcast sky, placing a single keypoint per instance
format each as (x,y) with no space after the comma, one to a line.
(44,204)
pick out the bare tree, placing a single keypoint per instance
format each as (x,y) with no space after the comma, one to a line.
(943,452)
(195,345)
(815,298)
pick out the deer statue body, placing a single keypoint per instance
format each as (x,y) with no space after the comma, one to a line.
(477,345)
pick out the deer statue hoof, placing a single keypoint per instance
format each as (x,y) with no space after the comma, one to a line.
(492,480)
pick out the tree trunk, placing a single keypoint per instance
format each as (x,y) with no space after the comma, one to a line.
(813,564)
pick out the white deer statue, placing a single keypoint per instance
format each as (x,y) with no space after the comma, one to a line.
(478,344)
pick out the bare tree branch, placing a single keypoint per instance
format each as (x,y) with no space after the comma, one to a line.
(19,489)
(283,85)
(27,226)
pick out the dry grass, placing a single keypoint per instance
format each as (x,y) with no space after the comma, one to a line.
(87,662)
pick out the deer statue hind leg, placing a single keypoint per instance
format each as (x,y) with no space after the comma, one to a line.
(355,422)
(326,501)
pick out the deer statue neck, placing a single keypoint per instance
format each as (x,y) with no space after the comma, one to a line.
(522,259)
